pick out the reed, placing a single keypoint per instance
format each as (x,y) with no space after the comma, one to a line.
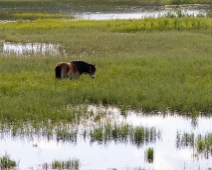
(149,153)
(73,164)
(204,144)
(137,136)
(201,144)
(6,162)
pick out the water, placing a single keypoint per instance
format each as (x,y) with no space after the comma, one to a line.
(140,13)
(30,49)
(35,151)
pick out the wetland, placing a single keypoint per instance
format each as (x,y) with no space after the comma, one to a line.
(148,108)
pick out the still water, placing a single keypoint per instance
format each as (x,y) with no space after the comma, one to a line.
(33,152)
(24,49)
(148,12)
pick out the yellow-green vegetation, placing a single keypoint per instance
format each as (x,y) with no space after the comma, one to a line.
(33,16)
(125,133)
(72,164)
(150,155)
(204,144)
(201,144)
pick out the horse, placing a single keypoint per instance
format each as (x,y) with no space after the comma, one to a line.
(74,69)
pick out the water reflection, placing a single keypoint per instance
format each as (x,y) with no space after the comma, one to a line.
(137,136)
(116,141)
(30,48)
(142,12)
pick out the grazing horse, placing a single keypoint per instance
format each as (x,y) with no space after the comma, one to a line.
(74,69)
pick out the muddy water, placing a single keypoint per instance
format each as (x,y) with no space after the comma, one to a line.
(34,151)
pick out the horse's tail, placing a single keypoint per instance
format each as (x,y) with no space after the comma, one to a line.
(58,72)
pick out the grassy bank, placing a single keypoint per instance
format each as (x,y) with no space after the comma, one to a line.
(157,68)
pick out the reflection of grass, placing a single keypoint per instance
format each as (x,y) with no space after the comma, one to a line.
(124,133)
(72,164)
(201,143)
(185,140)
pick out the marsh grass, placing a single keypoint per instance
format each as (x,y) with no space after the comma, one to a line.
(201,144)
(149,154)
(137,136)
(152,69)
(204,144)
(6,162)
(185,140)
(72,164)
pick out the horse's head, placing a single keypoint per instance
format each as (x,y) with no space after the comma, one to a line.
(92,70)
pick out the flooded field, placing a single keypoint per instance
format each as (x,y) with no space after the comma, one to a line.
(112,148)
(105,137)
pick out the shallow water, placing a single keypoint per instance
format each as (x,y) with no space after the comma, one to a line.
(140,13)
(34,151)
(43,49)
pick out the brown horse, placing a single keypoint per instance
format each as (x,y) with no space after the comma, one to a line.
(74,69)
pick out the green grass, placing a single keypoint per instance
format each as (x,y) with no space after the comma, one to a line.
(149,153)
(156,68)
(6,162)
(33,16)
(204,144)
(137,136)
(72,164)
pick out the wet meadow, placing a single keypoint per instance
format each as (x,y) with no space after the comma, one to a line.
(151,66)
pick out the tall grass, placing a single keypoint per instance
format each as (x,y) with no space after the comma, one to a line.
(201,144)
(72,164)
(124,133)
